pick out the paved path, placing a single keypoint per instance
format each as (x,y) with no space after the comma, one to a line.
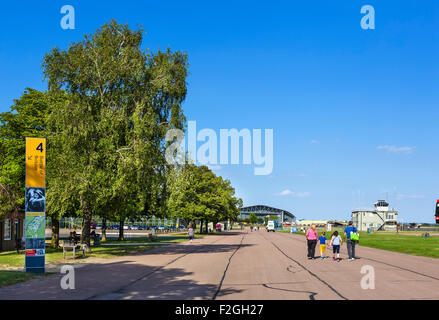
(241,265)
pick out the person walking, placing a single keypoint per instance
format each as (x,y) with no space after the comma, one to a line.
(335,244)
(349,242)
(323,240)
(190,233)
(311,238)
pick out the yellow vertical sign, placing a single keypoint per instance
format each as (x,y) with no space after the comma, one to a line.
(36,162)
(35,204)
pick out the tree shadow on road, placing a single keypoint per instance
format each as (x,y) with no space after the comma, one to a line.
(124,280)
(194,249)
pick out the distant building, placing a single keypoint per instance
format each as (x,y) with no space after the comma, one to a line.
(308,223)
(381,218)
(262,211)
(322,223)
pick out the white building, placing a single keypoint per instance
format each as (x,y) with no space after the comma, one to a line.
(309,223)
(382,218)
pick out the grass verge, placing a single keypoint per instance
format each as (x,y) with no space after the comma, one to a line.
(8,278)
(402,242)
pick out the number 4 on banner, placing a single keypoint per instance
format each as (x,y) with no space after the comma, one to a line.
(40,147)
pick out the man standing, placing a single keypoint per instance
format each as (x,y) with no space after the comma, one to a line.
(311,238)
(349,242)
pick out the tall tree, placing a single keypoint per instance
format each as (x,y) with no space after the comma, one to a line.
(197,193)
(122,101)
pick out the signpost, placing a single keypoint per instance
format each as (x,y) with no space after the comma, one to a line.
(35,204)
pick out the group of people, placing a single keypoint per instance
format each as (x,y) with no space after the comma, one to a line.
(256,228)
(312,236)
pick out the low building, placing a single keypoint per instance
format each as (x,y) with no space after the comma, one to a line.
(11,229)
(309,223)
(327,224)
(381,218)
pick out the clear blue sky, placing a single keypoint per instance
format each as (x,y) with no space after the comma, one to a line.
(354,112)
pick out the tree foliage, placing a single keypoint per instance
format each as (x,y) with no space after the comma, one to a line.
(111,131)
(105,115)
(196,193)
(27,118)
(253,218)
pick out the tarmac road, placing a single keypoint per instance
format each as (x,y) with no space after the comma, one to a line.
(241,265)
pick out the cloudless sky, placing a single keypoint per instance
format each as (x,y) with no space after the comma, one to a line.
(354,112)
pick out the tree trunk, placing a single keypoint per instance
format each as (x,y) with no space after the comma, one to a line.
(54,243)
(207,226)
(85,233)
(121,222)
(104,230)
(201,227)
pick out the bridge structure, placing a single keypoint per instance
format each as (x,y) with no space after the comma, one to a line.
(261,211)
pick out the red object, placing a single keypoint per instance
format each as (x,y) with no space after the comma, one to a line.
(30,253)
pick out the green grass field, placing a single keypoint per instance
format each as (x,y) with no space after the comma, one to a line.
(409,244)
(12,259)
(402,242)
(8,278)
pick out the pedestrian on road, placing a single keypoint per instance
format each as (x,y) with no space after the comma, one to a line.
(335,244)
(251,228)
(323,240)
(311,237)
(190,233)
(350,243)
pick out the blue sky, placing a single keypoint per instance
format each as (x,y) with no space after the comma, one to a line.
(353,111)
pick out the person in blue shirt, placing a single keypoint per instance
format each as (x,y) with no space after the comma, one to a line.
(350,243)
(322,240)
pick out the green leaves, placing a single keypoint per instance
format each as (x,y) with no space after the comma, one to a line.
(27,118)
(111,132)
(105,117)
(197,193)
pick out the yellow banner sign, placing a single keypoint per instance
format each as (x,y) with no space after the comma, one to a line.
(35,214)
(36,162)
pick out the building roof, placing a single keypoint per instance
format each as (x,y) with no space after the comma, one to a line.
(266,210)
(381,203)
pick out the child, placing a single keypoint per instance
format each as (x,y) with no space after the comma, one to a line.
(322,240)
(190,233)
(336,243)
